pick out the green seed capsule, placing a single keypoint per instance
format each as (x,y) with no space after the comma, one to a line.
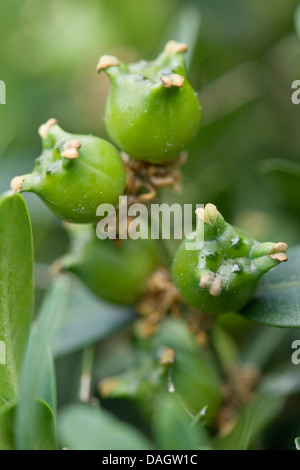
(74,174)
(114,270)
(223,275)
(152,110)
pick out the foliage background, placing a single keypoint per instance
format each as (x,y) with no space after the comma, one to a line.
(243,59)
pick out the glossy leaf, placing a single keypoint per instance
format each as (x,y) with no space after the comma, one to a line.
(85,427)
(16,289)
(277,300)
(33,381)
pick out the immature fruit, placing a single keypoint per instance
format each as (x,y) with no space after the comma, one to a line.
(74,174)
(114,270)
(152,110)
(222,276)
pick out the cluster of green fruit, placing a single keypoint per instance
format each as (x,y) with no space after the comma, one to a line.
(151,114)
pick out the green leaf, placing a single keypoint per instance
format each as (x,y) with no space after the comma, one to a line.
(86,427)
(173,426)
(7,427)
(281,383)
(46,386)
(253,419)
(262,345)
(287,175)
(44,440)
(297,443)
(88,320)
(277,300)
(16,289)
(34,380)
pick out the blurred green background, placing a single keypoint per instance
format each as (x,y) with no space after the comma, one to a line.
(243,57)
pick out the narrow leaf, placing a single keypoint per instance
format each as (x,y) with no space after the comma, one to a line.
(286,173)
(85,427)
(16,290)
